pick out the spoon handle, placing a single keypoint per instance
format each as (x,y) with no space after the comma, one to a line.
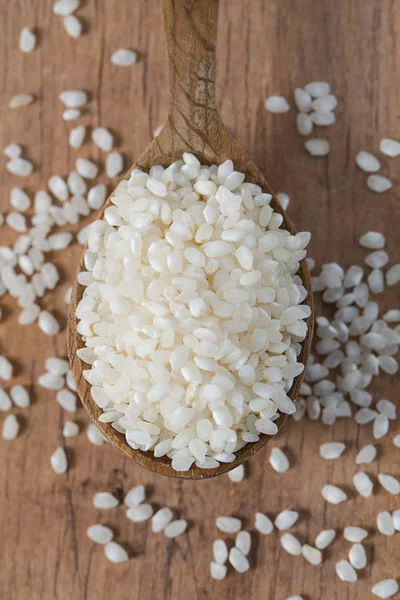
(191,34)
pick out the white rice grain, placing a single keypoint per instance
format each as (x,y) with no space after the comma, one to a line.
(103,139)
(238,561)
(48,323)
(140,513)
(175,528)
(70,429)
(377,259)
(372,240)
(366,455)
(13,151)
(135,496)
(77,136)
(59,241)
(367,162)
(332,450)
(387,408)
(217,571)
(19,167)
(278,460)
(363,484)
(302,100)
(376,281)
(317,147)
(263,524)
(59,461)
(5,402)
(105,500)
(114,164)
(323,119)
(56,365)
(49,381)
(97,196)
(71,114)
(325,103)
(243,542)
(324,538)
(333,494)
(380,426)
(311,554)
(316,89)
(19,199)
(393,275)
(345,571)
(67,400)
(123,57)
(220,552)
(396,519)
(73,98)
(20,396)
(63,8)
(355,534)
(304,124)
(291,544)
(357,556)
(385,588)
(286,519)
(384,523)
(73,26)
(20,100)
(277,104)
(228,524)
(86,168)
(161,519)
(390,483)
(95,436)
(389,147)
(99,534)
(58,188)
(6,368)
(379,183)
(27,41)
(284,199)
(17,222)
(115,553)
(10,428)
(237,474)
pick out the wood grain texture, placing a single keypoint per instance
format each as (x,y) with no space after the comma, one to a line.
(193,125)
(263,48)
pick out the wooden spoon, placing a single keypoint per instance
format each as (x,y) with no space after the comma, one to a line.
(193,125)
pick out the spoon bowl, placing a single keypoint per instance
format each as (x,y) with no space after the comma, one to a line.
(193,125)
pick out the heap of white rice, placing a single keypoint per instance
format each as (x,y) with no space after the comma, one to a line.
(192,315)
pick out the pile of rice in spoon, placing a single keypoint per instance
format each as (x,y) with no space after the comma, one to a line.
(192,316)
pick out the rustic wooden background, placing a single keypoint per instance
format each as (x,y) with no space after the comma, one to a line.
(264,47)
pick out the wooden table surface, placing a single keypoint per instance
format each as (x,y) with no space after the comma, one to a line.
(265,47)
